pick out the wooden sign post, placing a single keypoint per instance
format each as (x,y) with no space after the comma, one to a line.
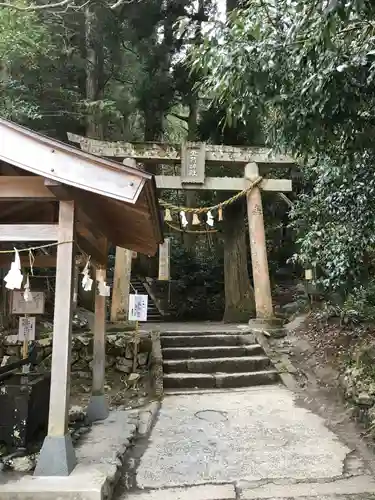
(26,327)
(164,260)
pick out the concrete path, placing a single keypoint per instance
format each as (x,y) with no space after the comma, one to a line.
(245,444)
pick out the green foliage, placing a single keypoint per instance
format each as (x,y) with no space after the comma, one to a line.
(198,281)
(23,41)
(345,313)
(362,302)
(309,67)
(23,37)
(357,307)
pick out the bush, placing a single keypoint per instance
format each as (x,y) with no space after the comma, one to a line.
(361,303)
(357,307)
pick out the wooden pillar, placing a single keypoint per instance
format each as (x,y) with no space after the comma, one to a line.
(261,278)
(122,275)
(57,457)
(98,406)
(121,284)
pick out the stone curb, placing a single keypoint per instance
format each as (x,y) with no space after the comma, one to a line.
(147,418)
(100,460)
(281,362)
(200,492)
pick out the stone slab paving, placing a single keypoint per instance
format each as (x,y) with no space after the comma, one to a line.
(223,437)
(251,444)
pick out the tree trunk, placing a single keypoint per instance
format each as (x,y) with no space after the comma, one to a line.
(94,71)
(239,295)
(94,128)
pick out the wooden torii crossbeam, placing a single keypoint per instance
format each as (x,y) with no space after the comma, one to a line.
(194,157)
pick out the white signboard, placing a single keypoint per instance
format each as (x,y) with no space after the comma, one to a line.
(308,274)
(138,307)
(26,328)
(34,306)
(164,260)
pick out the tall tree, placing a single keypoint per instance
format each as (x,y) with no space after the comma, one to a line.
(239,294)
(309,67)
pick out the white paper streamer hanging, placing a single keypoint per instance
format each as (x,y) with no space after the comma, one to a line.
(210,219)
(86,280)
(27,295)
(14,277)
(104,289)
(184,221)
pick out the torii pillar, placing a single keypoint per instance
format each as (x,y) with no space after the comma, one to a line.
(259,260)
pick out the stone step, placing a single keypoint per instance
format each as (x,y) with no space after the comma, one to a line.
(211,351)
(211,365)
(201,340)
(250,337)
(219,380)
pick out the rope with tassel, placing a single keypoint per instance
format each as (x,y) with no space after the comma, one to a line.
(171,208)
(201,210)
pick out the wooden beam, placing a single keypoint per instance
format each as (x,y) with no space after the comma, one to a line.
(45,261)
(23,187)
(28,232)
(171,153)
(48,158)
(66,193)
(121,285)
(86,227)
(60,191)
(89,214)
(222,184)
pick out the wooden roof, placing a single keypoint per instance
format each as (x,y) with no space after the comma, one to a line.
(113,200)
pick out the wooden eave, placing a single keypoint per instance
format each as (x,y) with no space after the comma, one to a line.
(113,200)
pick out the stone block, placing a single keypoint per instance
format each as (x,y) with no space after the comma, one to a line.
(142,358)
(124,365)
(13,351)
(80,485)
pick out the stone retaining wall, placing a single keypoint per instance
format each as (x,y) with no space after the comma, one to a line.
(119,351)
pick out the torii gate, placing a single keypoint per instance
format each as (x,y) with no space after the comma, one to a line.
(194,156)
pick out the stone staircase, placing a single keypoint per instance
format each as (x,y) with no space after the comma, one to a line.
(214,360)
(153,313)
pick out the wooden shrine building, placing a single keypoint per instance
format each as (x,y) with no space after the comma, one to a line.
(53,193)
